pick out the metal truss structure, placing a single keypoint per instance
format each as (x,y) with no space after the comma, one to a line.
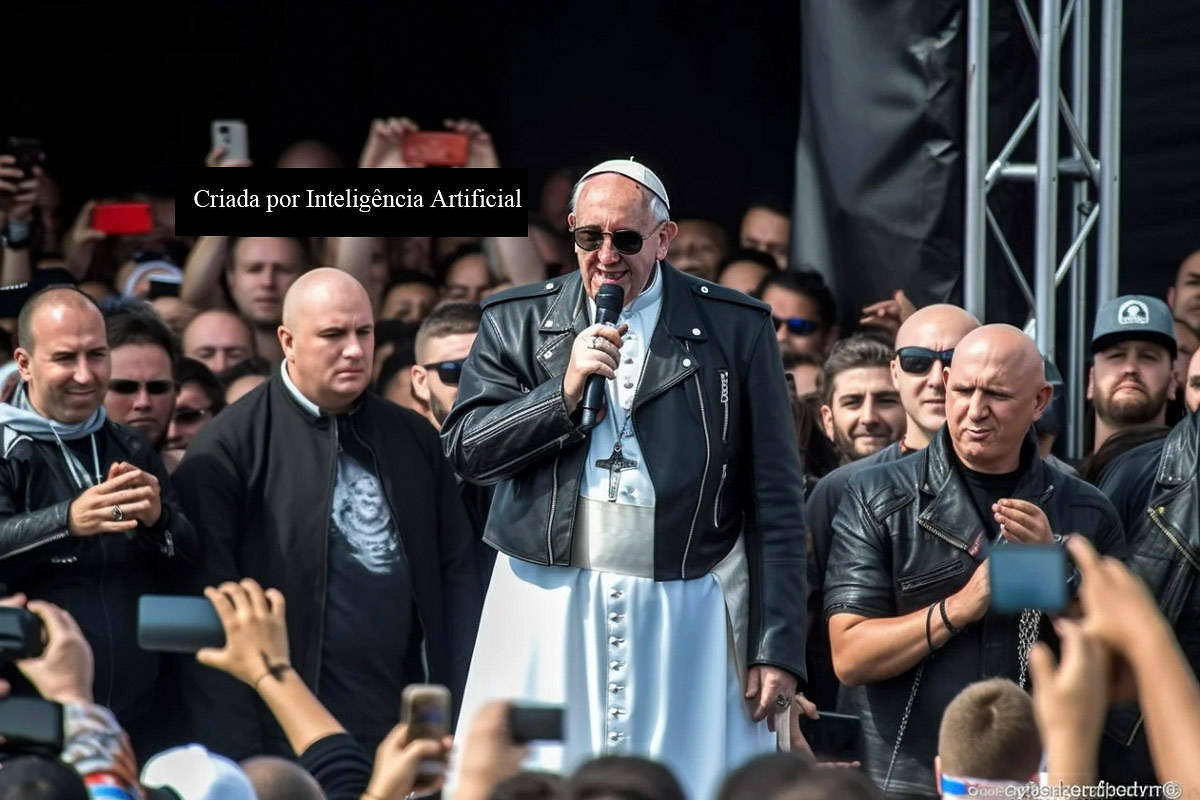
(1094,183)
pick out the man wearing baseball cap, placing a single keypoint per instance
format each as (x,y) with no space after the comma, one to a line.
(1134,348)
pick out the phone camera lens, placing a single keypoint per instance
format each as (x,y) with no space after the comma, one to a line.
(223,129)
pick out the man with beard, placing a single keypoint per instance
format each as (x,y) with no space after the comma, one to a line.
(1132,376)
(924,345)
(861,412)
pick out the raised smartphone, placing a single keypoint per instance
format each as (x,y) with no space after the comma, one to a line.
(174,624)
(1028,576)
(234,136)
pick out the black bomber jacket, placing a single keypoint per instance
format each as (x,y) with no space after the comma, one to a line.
(711,415)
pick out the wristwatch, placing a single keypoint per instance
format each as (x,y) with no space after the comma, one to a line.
(17,235)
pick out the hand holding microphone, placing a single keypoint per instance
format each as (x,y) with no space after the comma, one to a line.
(594,357)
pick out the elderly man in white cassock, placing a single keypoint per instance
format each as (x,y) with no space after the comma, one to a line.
(651,567)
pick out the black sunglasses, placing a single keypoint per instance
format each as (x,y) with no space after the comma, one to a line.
(124,386)
(190,416)
(625,240)
(918,360)
(797,325)
(447,371)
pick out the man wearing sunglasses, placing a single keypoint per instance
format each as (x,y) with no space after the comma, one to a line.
(88,518)
(907,590)
(141,391)
(924,345)
(652,538)
(443,342)
(802,310)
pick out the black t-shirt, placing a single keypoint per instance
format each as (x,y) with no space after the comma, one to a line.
(371,647)
(985,489)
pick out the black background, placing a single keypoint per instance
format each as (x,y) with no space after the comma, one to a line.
(706,92)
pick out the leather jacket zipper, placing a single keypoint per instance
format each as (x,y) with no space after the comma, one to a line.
(724,374)
(1156,517)
(333,457)
(553,503)
(707,457)
(932,576)
(507,422)
(717,502)
(944,537)
(28,547)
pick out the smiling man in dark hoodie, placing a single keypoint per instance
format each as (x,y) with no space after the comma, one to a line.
(87,517)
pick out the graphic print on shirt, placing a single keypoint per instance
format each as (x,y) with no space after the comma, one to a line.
(361,514)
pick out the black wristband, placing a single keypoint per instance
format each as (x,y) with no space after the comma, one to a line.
(946,618)
(929,628)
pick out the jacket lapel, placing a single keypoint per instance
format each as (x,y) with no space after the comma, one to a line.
(951,512)
(563,321)
(671,359)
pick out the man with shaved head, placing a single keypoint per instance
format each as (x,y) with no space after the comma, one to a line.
(906,590)
(88,519)
(344,502)
(218,339)
(924,345)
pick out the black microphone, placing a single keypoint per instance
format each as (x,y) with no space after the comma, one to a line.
(609,301)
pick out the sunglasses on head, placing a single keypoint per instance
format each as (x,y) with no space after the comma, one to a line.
(448,372)
(625,240)
(190,416)
(796,325)
(918,360)
(124,386)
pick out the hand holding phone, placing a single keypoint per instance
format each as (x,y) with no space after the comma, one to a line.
(834,737)
(27,153)
(178,624)
(436,149)
(1029,576)
(425,708)
(230,144)
(122,219)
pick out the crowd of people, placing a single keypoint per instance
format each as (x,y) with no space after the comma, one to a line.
(371,455)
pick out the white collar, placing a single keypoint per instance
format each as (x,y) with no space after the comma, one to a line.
(305,403)
(648,298)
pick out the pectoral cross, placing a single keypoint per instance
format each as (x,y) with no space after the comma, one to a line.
(615,464)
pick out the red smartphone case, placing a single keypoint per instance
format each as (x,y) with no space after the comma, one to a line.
(435,149)
(118,219)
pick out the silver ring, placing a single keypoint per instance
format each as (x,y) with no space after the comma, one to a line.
(595,345)
(781,701)
(117,514)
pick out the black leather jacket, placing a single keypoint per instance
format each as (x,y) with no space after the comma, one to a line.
(711,415)
(907,535)
(258,482)
(1158,486)
(96,578)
